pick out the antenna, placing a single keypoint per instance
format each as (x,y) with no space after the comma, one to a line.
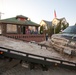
(1,14)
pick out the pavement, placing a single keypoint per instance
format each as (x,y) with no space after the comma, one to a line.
(18,69)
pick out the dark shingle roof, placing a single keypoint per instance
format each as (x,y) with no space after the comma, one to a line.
(60,18)
(18,16)
(49,23)
(14,20)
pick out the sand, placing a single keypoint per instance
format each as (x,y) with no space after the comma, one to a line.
(33,48)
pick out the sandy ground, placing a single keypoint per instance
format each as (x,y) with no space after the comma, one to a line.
(32,48)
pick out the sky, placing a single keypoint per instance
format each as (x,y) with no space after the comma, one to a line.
(38,10)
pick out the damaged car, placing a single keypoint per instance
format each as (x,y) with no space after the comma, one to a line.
(65,41)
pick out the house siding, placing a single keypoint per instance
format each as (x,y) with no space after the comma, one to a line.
(3,28)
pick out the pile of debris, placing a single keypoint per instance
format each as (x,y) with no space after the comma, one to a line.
(63,45)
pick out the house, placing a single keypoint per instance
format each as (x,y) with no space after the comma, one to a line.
(55,21)
(17,25)
(45,24)
(20,27)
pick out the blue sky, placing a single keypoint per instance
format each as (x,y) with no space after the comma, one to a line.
(38,10)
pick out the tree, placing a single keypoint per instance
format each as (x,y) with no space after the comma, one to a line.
(65,26)
(61,26)
(58,28)
(41,29)
(50,31)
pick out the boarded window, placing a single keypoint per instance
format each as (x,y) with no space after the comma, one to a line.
(11,28)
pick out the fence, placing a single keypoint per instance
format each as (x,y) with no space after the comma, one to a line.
(27,37)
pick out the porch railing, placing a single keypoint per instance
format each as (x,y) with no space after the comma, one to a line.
(27,37)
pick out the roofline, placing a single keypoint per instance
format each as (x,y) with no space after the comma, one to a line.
(41,21)
(19,24)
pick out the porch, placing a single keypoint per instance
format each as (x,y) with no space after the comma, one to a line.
(27,37)
(22,28)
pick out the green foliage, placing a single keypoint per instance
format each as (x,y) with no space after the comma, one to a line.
(60,26)
(50,31)
(57,29)
(65,26)
(75,23)
(41,30)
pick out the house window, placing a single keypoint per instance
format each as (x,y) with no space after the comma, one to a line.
(11,28)
(32,28)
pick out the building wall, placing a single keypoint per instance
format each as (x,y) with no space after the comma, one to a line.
(42,23)
(8,28)
(3,26)
(17,29)
(55,21)
(11,28)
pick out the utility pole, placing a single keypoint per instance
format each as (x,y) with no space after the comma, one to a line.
(1,14)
